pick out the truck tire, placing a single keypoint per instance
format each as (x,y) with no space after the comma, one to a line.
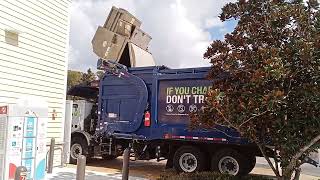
(188,159)
(108,157)
(78,147)
(230,161)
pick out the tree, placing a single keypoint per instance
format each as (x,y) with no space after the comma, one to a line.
(88,77)
(99,74)
(271,94)
(74,78)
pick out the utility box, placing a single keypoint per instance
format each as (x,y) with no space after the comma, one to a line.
(23,140)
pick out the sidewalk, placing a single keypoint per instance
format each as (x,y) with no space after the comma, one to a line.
(269,172)
(308,171)
(67,173)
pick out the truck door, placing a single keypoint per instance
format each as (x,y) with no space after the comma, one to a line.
(122,101)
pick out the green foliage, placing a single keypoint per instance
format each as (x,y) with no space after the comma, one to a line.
(99,74)
(273,88)
(207,176)
(77,77)
(88,77)
(74,78)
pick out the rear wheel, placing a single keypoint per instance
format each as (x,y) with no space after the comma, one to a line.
(188,159)
(229,161)
(78,147)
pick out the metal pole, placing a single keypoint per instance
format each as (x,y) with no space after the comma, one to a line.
(67,132)
(81,168)
(21,173)
(125,165)
(51,154)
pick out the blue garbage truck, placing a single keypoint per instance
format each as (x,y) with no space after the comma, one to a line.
(147,108)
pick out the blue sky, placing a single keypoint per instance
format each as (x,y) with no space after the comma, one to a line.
(181,30)
(218,33)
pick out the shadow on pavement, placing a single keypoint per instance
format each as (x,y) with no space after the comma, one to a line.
(89,175)
(140,168)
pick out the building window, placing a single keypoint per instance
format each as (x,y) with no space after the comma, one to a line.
(12,38)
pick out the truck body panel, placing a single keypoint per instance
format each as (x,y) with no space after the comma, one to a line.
(170,95)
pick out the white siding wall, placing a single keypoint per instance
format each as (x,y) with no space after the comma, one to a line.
(38,65)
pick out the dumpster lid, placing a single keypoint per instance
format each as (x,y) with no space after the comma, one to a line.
(121,40)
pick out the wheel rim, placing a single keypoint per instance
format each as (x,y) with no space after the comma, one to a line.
(76,150)
(228,165)
(188,162)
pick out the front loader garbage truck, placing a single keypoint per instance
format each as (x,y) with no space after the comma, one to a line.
(147,107)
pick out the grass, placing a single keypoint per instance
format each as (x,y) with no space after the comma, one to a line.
(171,175)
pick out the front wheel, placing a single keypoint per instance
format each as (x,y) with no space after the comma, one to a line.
(188,159)
(229,161)
(78,147)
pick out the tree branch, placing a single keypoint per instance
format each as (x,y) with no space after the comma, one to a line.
(252,118)
(297,174)
(276,172)
(301,162)
(303,150)
(226,119)
(276,162)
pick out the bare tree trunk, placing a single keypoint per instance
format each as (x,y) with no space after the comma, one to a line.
(276,162)
(297,174)
(287,174)
(276,172)
(296,157)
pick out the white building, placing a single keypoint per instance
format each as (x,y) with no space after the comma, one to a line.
(34,38)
